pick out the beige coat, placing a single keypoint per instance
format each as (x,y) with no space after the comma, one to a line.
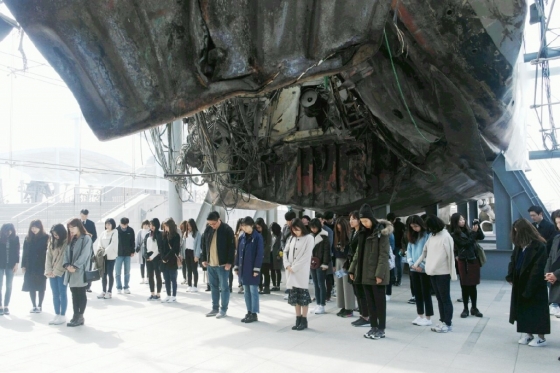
(54,262)
(297,255)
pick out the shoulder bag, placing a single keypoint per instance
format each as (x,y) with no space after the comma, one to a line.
(480,254)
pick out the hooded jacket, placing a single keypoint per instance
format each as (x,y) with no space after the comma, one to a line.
(371,259)
(322,248)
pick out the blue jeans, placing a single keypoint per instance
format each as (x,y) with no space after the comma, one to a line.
(218,278)
(251,298)
(9,273)
(60,299)
(118,268)
(170,278)
(320,283)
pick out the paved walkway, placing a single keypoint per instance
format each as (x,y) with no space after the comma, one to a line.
(129,334)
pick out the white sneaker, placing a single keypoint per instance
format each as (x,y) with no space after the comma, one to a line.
(525,339)
(414,322)
(101,296)
(554,310)
(53,321)
(108,296)
(189,289)
(537,342)
(165,300)
(127,291)
(286,296)
(320,310)
(119,291)
(194,289)
(183,282)
(442,328)
(424,322)
(172,300)
(61,320)
(143,281)
(387,298)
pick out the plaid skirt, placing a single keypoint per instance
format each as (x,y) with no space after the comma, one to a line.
(299,297)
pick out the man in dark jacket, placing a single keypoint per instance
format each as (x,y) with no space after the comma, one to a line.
(399,229)
(125,252)
(218,255)
(546,229)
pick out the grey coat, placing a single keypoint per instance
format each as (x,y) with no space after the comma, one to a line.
(81,258)
(554,294)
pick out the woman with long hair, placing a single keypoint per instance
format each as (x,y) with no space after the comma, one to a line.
(417,236)
(297,256)
(248,264)
(169,254)
(109,243)
(192,250)
(322,252)
(440,266)
(276,256)
(468,263)
(9,260)
(183,233)
(33,264)
(370,268)
(262,228)
(529,293)
(54,271)
(552,269)
(76,260)
(154,245)
(345,293)
(355,225)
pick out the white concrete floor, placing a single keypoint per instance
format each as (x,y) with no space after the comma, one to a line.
(129,334)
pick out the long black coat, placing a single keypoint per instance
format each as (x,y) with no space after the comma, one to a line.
(33,260)
(529,296)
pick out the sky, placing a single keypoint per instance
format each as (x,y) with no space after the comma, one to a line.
(37,110)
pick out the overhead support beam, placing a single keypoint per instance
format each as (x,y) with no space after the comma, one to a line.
(550,53)
(544,154)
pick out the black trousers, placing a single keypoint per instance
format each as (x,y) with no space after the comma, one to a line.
(377,305)
(469,292)
(265,275)
(422,287)
(441,285)
(109,273)
(276,276)
(79,300)
(33,296)
(330,284)
(392,279)
(154,271)
(191,268)
(362,302)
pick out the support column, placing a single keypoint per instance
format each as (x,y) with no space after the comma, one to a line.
(272,216)
(381,211)
(175,204)
(503,211)
(432,209)
(463,209)
(473,210)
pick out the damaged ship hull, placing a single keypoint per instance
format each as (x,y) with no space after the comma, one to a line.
(322,105)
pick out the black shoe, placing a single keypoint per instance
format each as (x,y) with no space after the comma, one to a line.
(81,320)
(298,321)
(207,289)
(476,312)
(247,316)
(303,324)
(460,300)
(252,318)
(412,300)
(342,311)
(398,283)
(465,314)
(360,322)
(88,290)
(265,291)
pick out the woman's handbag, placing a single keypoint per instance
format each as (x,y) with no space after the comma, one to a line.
(315,262)
(92,275)
(480,254)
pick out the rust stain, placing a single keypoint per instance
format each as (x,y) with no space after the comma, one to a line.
(407,19)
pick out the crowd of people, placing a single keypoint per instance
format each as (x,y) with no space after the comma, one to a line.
(357,257)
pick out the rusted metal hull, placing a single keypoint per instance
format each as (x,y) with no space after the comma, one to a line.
(136,64)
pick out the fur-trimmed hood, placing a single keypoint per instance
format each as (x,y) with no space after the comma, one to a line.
(383,228)
(320,237)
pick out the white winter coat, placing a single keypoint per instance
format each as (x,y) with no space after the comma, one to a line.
(297,255)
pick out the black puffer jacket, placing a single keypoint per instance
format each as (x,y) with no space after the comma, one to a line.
(322,249)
